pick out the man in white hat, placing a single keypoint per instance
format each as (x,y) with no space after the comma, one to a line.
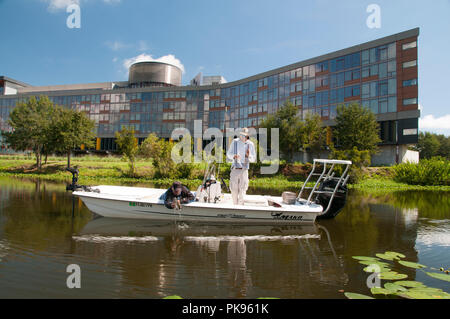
(242,153)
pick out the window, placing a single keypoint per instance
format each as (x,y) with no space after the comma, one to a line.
(383,105)
(321,67)
(409,64)
(410,101)
(365,72)
(365,57)
(382,70)
(383,53)
(392,68)
(383,88)
(392,104)
(409,45)
(392,86)
(365,90)
(410,82)
(392,51)
(374,106)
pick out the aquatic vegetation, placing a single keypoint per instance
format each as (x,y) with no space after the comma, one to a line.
(399,288)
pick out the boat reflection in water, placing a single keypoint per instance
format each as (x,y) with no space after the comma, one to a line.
(240,257)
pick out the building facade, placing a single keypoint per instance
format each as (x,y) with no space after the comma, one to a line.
(381,75)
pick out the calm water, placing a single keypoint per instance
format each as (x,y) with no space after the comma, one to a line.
(130,259)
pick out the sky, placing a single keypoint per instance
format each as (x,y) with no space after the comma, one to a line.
(232,38)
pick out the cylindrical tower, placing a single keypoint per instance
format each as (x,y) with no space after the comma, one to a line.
(154,74)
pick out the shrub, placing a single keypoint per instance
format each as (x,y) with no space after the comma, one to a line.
(296,171)
(435,171)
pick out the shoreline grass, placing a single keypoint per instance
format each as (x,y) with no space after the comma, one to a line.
(113,170)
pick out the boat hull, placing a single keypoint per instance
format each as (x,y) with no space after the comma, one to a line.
(150,207)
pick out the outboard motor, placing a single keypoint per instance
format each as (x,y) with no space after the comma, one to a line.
(329,191)
(74,186)
(339,199)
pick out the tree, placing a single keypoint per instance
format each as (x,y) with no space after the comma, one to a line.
(30,123)
(128,146)
(71,129)
(313,134)
(159,150)
(356,127)
(431,144)
(295,133)
(290,128)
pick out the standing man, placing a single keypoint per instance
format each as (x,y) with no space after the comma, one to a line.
(242,153)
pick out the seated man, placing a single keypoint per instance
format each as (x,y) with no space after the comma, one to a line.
(176,195)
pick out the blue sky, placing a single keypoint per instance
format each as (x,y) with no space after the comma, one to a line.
(233,38)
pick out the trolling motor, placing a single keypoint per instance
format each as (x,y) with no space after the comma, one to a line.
(74,186)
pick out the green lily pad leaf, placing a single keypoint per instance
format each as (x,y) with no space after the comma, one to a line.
(352,295)
(444,277)
(392,275)
(414,295)
(365,258)
(410,284)
(395,254)
(393,287)
(173,297)
(374,269)
(386,257)
(380,291)
(411,264)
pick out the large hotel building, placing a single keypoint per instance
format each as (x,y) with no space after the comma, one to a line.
(380,75)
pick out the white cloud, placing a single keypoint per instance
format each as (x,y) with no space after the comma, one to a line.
(431,122)
(54,5)
(169,59)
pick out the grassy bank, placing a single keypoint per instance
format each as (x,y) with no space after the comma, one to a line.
(113,170)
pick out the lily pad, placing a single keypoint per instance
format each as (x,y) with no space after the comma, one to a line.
(352,295)
(380,291)
(395,254)
(444,277)
(410,284)
(173,297)
(386,256)
(414,295)
(392,275)
(411,264)
(365,258)
(394,287)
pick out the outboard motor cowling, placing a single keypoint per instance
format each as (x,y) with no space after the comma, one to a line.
(338,201)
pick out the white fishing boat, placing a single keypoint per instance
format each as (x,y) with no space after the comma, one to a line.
(324,200)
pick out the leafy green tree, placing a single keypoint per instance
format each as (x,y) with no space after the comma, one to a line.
(356,127)
(71,129)
(290,128)
(296,134)
(31,127)
(313,134)
(160,151)
(432,144)
(128,146)
(357,135)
